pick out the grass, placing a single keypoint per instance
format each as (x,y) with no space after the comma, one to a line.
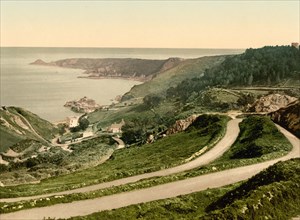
(271,194)
(41,126)
(164,153)
(187,69)
(8,139)
(15,133)
(222,164)
(53,161)
(104,118)
(258,137)
(182,207)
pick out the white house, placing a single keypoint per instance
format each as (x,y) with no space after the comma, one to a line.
(72,121)
(116,127)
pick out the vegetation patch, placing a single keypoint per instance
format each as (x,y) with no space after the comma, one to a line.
(258,136)
(273,193)
(41,126)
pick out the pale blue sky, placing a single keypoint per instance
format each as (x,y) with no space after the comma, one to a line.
(172,24)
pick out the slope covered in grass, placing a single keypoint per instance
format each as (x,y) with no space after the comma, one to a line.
(167,152)
(271,194)
(14,127)
(187,69)
(258,137)
(41,126)
(267,66)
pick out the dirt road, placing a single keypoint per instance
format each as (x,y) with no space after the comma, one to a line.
(120,142)
(223,145)
(168,190)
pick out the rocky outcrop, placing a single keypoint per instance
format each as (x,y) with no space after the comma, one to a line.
(271,103)
(288,117)
(181,125)
(138,69)
(83,105)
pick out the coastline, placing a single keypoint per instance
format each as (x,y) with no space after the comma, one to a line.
(138,79)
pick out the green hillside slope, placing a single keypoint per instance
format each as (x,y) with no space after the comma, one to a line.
(271,194)
(186,69)
(267,66)
(17,124)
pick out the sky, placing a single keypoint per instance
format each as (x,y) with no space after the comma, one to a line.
(149,24)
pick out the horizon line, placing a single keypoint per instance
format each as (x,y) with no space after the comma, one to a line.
(227,48)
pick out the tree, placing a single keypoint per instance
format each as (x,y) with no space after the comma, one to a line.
(152,101)
(83,123)
(137,130)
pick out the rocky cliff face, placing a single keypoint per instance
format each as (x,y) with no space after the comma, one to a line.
(181,125)
(139,69)
(288,117)
(271,103)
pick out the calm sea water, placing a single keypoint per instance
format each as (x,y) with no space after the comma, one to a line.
(44,90)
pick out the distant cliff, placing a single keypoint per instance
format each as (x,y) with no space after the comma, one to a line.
(139,69)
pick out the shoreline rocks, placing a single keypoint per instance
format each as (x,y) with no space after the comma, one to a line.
(83,105)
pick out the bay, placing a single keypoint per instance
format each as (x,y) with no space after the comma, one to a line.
(44,90)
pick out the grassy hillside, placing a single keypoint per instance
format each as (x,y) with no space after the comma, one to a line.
(197,85)
(17,124)
(281,147)
(167,152)
(271,194)
(186,69)
(267,66)
(8,138)
(258,136)
(41,126)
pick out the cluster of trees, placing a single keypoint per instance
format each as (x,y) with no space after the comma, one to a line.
(137,130)
(152,100)
(264,66)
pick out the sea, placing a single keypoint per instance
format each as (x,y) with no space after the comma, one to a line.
(44,90)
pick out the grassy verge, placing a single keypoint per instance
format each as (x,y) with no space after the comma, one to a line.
(271,194)
(182,207)
(222,164)
(164,153)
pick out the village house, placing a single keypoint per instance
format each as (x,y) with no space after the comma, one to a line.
(116,127)
(72,121)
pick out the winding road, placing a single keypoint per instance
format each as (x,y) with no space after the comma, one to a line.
(182,187)
(223,145)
